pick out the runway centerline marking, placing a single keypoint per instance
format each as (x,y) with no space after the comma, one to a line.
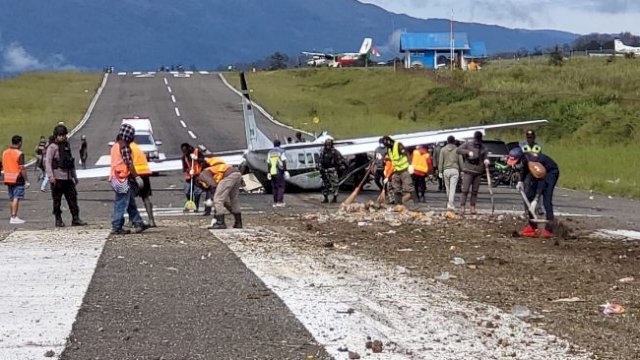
(169,89)
(173,98)
(183,124)
(193,136)
(177,112)
(166,82)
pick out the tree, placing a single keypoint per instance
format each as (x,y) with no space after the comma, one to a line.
(278,61)
(556,57)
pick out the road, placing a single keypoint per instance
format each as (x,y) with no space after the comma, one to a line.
(176,291)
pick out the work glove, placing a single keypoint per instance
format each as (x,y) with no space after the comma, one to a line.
(379,156)
(191,172)
(486,162)
(139,182)
(269,176)
(385,181)
(520,186)
(286,175)
(27,185)
(193,156)
(411,169)
(470,154)
(208,203)
(440,175)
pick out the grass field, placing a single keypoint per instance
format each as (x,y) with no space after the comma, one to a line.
(593,106)
(32,104)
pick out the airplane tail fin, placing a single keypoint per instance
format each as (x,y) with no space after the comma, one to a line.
(256,139)
(367,43)
(618,45)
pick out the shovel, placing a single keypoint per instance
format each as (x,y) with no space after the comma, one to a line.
(532,212)
(493,205)
(190,205)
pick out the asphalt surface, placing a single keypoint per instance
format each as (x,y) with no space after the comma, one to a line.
(207,308)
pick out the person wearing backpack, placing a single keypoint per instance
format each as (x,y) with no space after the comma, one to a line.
(61,171)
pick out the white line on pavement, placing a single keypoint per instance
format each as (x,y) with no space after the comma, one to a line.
(44,276)
(177,112)
(166,82)
(169,89)
(183,124)
(354,298)
(193,136)
(173,98)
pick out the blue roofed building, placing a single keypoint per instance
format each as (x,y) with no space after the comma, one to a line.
(433,50)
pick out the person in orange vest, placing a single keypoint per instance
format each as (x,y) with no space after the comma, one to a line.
(124,180)
(15,176)
(192,165)
(421,162)
(141,165)
(224,182)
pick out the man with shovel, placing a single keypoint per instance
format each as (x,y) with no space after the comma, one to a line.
(538,178)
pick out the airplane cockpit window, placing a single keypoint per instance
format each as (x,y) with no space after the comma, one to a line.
(301,159)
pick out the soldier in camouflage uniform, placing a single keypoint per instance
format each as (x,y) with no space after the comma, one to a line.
(330,162)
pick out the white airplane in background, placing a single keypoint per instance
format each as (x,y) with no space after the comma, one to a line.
(341,59)
(620,47)
(302,158)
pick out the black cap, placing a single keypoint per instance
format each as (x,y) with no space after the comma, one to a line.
(60,130)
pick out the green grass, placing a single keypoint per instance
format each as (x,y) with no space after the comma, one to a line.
(32,104)
(593,106)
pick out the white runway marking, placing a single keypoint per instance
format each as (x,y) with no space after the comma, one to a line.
(193,136)
(166,82)
(204,72)
(169,89)
(122,73)
(136,73)
(177,112)
(44,276)
(342,299)
(173,99)
(617,234)
(183,124)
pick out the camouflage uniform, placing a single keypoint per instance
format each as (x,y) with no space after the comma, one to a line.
(330,161)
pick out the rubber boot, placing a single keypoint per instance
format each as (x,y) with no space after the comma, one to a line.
(238,221)
(325,200)
(59,222)
(219,224)
(149,207)
(207,211)
(76,221)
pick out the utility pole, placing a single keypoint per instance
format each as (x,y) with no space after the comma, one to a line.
(452,42)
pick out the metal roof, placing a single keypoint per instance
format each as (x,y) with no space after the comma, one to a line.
(478,50)
(433,41)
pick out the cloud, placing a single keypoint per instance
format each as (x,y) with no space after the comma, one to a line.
(16,59)
(613,6)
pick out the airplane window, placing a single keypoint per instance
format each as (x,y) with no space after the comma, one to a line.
(310,159)
(301,158)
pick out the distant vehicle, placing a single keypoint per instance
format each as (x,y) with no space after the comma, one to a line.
(342,59)
(498,151)
(144,136)
(621,48)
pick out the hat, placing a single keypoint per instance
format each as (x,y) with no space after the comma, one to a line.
(530,133)
(60,130)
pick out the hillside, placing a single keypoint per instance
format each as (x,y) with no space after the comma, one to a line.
(144,35)
(593,106)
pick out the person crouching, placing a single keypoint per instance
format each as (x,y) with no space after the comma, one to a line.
(538,178)
(224,182)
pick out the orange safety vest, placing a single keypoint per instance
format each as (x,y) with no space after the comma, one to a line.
(420,162)
(11,165)
(218,170)
(197,168)
(388,167)
(118,167)
(139,160)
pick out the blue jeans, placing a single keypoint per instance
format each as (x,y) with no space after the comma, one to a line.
(125,203)
(548,186)
(45,182)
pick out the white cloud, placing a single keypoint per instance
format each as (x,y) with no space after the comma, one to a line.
(16,59)
(584,16)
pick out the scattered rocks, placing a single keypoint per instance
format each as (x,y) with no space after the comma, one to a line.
(50,353)
(353,355)
(377,346)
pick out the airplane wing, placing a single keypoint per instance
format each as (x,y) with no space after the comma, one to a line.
(161,166)
(369,144)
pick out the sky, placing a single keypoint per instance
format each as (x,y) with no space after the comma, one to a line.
(577,16)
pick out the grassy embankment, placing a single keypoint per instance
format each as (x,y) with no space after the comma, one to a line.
(593,106)
(32,104)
